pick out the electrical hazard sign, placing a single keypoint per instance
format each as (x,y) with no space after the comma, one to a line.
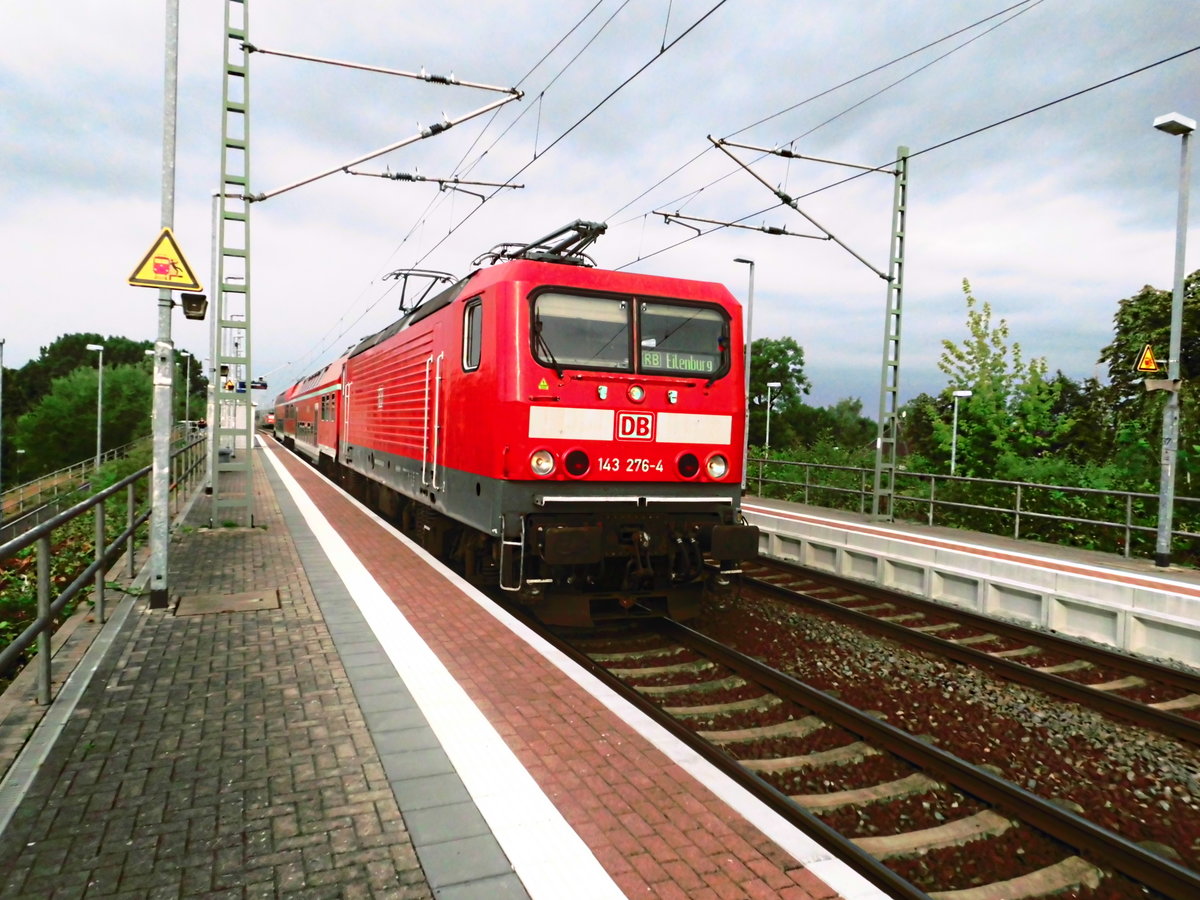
(165,267)
(1146,361)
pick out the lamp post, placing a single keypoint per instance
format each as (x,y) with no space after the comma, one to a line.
(187,387)
(1173,123)
(954,433)
(20,453)
(770,384)
(749,347)
(99,398)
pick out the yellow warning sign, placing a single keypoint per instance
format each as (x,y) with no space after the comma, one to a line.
(543,386)
(165,267)
(1146,361)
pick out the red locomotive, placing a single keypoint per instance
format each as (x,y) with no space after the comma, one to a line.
(571,434)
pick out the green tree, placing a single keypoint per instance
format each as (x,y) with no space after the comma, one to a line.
(60,429)
(1145,318)
(26,387)
(840,426)
(1010,414)
(775,360)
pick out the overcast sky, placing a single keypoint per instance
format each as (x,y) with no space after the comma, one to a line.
(1053,217)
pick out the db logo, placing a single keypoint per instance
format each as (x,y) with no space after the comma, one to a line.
(635,426)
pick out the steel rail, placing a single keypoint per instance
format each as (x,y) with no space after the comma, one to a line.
(1102,846)
(1141,714)
(846,850)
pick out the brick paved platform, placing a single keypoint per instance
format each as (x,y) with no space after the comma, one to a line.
(380,733)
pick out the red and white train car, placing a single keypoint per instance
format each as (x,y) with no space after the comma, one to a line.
(573,434)
(310,412)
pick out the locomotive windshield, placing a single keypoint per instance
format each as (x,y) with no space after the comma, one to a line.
(575,331)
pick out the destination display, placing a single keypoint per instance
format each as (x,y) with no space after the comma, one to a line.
(678,361)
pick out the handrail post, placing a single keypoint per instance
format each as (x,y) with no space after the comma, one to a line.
(1017,516)
(130,511)
(932,497)
(1128,523)
(43,606)
(101,546)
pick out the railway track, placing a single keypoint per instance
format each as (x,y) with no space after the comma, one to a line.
(917,820)
(1139,691)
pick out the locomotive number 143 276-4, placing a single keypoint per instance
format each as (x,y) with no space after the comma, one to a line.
(631,465)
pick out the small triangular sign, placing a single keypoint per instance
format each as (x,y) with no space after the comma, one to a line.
(1147,362)
(164,267)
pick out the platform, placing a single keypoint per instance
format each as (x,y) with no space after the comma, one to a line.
(1126,603)
(326,711)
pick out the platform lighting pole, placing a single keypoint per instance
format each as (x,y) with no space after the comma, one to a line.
(954,433)
(1173,123)
(749,350)
(164,350)
(770,384)
(99,400)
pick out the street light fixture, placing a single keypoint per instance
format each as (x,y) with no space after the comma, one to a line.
(1173,123)
(99,398)
(749,347)
(954,434)
(770,384)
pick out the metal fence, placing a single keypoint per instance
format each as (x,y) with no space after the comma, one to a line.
(33,502)
(187,469)
(1124,522)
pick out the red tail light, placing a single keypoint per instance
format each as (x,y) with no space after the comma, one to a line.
(577,463)
(688,465)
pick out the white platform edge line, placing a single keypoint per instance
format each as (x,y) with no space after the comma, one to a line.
(815,857)
(550,858)
(1080,569)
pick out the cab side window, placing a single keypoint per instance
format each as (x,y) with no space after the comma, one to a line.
(472,334)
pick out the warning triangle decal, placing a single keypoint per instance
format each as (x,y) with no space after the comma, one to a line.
(165,267)
(1146,361)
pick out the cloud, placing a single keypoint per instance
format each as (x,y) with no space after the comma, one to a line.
(1054,217)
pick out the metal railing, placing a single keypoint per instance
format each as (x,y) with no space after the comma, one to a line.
(1114,521)
(187,467)
(25,505)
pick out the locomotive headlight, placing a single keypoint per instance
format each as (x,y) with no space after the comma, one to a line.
(717,466)
(542,462)
(637,393)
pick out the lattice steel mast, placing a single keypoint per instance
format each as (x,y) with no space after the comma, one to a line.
(232,421)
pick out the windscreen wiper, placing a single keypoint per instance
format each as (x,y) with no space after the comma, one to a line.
(545,347)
